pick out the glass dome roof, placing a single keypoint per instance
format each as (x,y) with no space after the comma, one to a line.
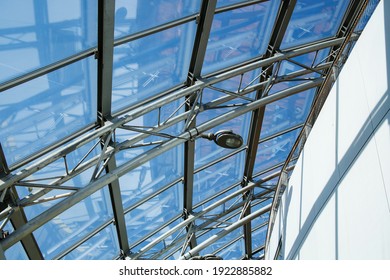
(104,106)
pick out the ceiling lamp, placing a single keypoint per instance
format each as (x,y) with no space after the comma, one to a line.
(225,138)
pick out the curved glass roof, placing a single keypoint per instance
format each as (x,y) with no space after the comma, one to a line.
(106,107)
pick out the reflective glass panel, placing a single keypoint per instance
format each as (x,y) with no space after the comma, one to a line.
(218,177)
(218,244)
(34,34)
(45,110)
(132,16)
(367,14)
(286,113)
(274,151)
(239,35)
(74,224)
(102,246)
(152,176)
(230,204)
(15,252)
(168,246)
(150,65)
(154,213)
(314,20)
(260,225)
(234,251)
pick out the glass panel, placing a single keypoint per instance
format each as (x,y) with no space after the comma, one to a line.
(266,185)
(73,224)
(16,252)
(240,248)
(233,85)
(47,109)
(154,213)
(274,151)
(313,20)
(217,177)
(151,176)
(233,252)
(133,16)
(176,240)
(143,68)
(259,234)
(102,246)
(303,62)
(207,151)
(367,14)
(239,35)
(287,112)
(34,34)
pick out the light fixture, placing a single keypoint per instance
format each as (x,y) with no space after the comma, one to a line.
(225,138)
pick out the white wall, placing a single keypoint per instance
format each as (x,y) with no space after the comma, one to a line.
(337,204)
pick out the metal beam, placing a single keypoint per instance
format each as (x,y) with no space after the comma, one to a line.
(117,208)
(283,18)
(45,70)
(205,22)
(356,10)
(18,219)
(3,163)
(106,22)
(2,255)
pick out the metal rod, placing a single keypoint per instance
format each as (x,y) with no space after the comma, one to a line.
(45,70)
(224,232)
(58,187)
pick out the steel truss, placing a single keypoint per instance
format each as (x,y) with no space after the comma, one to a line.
(104,145)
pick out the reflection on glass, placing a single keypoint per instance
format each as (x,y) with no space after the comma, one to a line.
(74,224)
(16,252)
(47,109)
(367,14)
(303,62)
(34,34)
(274,151)
(132,16)
(173,242)
(236,252)
(150,65)
(239,35)
(216,178)
(102,246)
(314,20)
(151,177)
(154,213)
(286,113)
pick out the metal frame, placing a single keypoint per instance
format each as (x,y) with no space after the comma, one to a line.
(103,138)
(347,28)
